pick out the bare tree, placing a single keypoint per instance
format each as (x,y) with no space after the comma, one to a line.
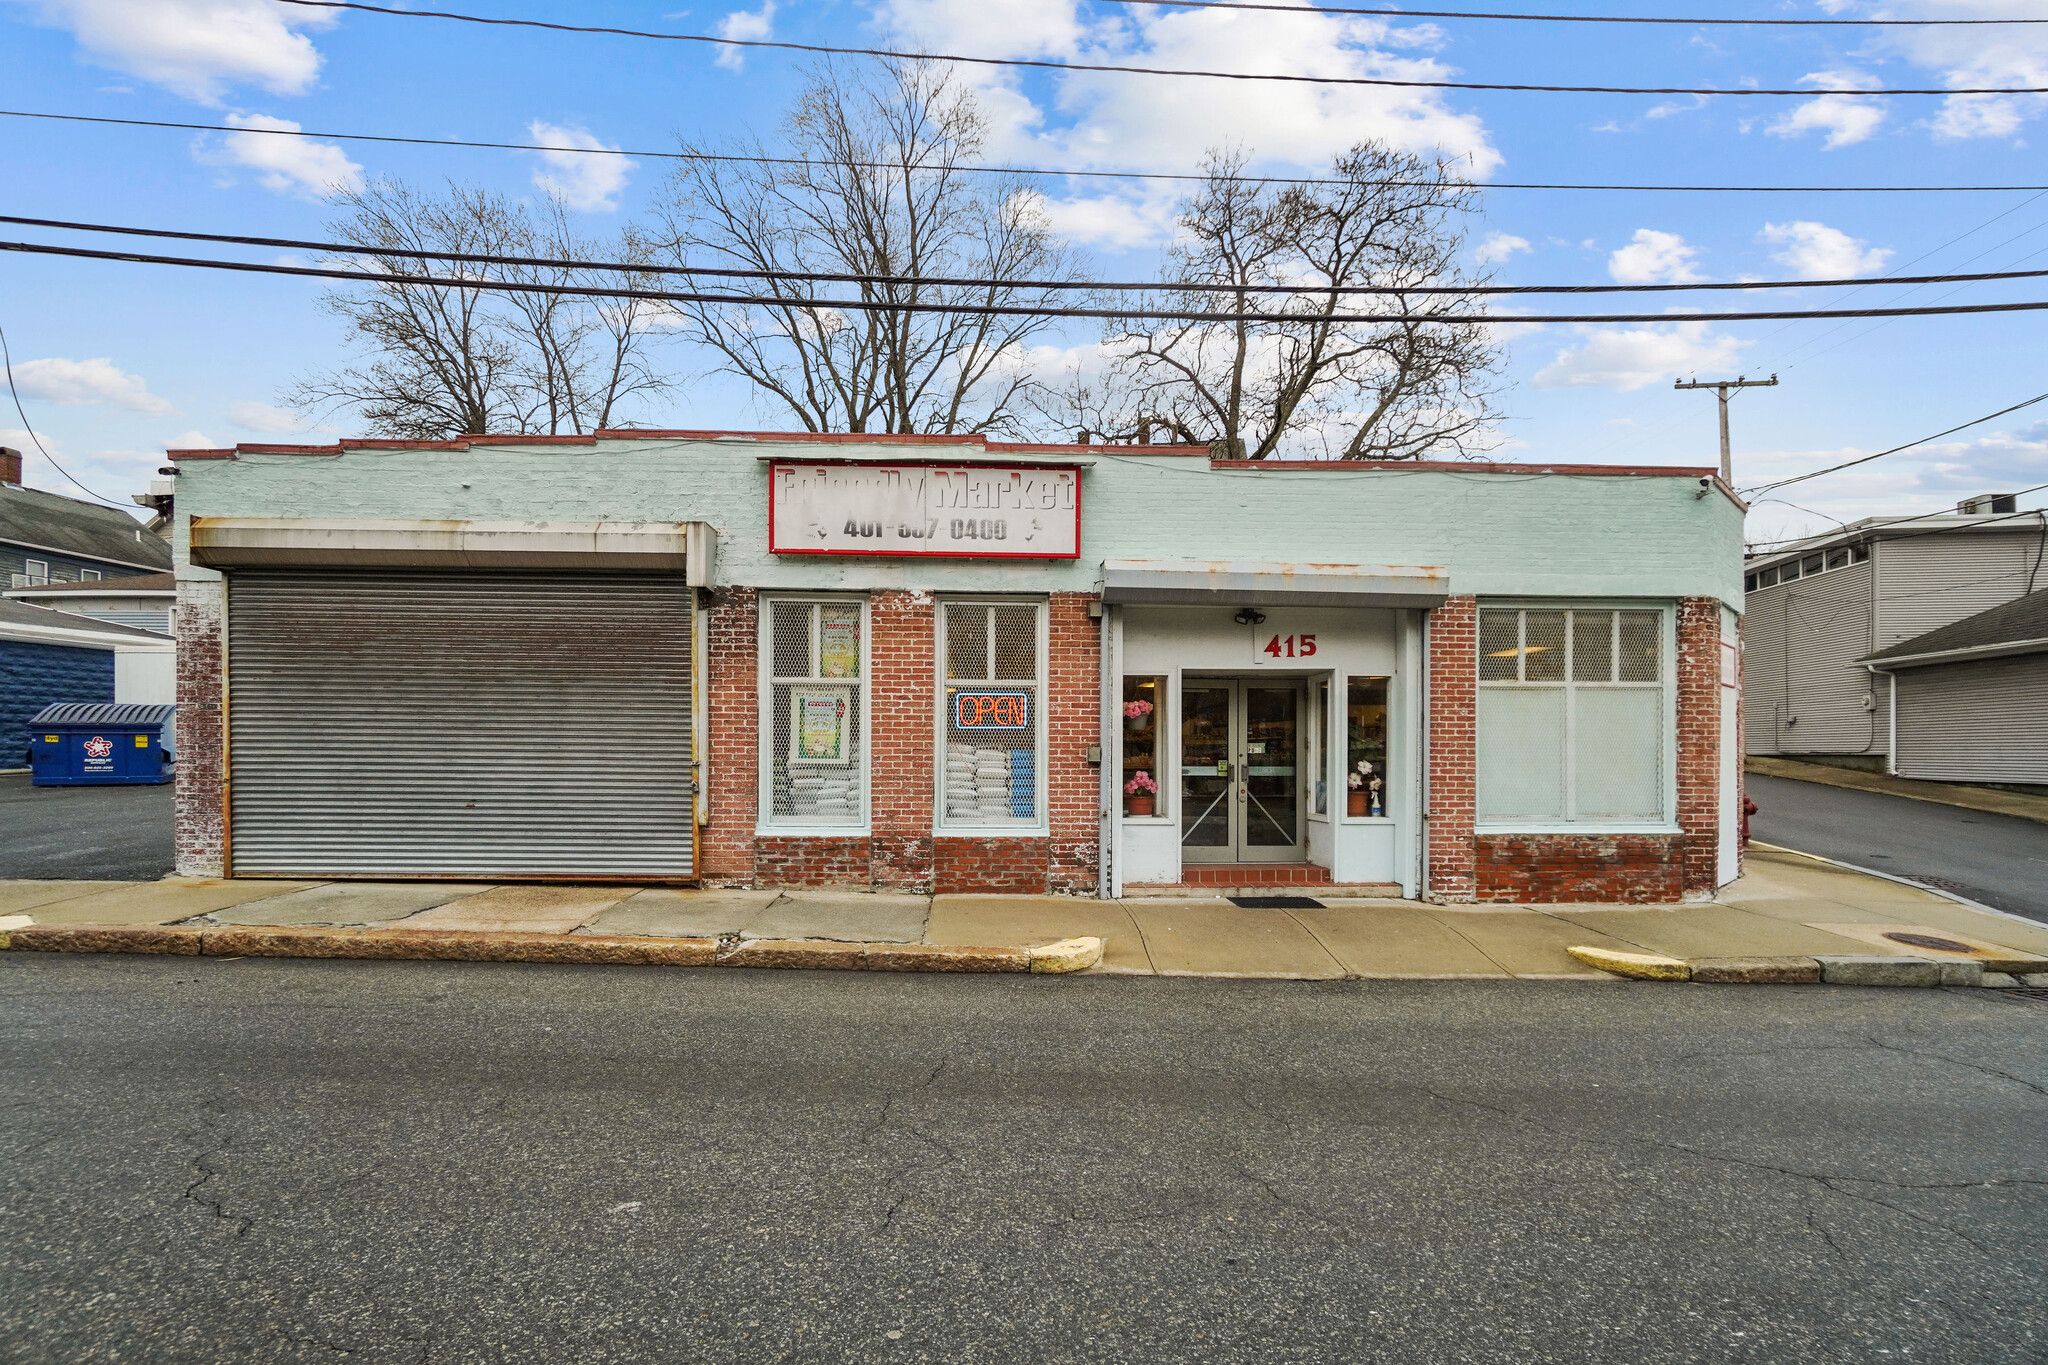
(1416,383)
(445,360)
(871,182)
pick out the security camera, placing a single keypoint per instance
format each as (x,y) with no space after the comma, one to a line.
(1706,486)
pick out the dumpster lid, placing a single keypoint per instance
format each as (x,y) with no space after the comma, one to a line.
(108,713)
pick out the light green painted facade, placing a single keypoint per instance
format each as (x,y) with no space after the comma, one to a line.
(1531,534)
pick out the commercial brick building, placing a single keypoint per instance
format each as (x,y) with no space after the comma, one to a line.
(947,664)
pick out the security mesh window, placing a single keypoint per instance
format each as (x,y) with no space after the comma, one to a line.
(817,707)
(990,768)
(1572,716)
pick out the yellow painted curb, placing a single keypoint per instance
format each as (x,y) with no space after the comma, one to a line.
(1641,966)
(1068,955)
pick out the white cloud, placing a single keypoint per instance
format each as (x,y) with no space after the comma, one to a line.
(1931,479)
(1118,224)
(86,383)
(1165,123)
(196,48)
(261,417)
(1974,56)
(1655,257)
(1815,251)
(191,440)
(586,182)
(296,166)
(1499,246)
(745,26)
(1630,358)
(1845,119)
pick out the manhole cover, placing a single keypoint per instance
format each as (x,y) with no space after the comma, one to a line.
(1941,945)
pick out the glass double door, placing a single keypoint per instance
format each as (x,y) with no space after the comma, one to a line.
(1241,771)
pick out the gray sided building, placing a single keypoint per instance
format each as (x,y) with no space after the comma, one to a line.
(47,538)
(1824,612)
(1969,702)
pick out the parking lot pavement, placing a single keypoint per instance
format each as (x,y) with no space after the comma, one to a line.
(116,833)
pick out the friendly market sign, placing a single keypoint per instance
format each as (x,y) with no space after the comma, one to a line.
(980,511)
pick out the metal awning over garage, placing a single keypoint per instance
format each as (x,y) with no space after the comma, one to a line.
(309,543)
(1221,583)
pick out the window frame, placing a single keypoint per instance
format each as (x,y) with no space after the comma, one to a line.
(1667,685)
(1041,827)
(767,824)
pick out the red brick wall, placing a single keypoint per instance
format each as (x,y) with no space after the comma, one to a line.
(1013,866)
(902,739)
(902,854)
(811,862)
(1452,712)
(202,761)
(1074,708)
(732,773)
(1547,868)
(1699,740)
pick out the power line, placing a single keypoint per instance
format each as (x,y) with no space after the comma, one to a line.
(1047,171)
(983,309)
(1779,545)
(1866,459)
(815,276)
(1377,81)
(7,357)
(1571,18)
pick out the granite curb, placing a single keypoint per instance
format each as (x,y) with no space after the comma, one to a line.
(463,945)
(1833,969)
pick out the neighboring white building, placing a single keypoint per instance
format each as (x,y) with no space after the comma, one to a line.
(1822,610)
(143,601)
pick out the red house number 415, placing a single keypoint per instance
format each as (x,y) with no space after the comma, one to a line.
(1290,647)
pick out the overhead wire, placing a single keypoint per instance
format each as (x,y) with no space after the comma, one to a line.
(1902,521)
(824,49)
(972,309)
(836,277)
(7,358)
(1571,18)
(1046,171)
(1910,445)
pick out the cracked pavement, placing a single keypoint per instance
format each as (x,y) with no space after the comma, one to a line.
(263,1159)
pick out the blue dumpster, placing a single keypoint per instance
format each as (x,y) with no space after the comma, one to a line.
(75,744)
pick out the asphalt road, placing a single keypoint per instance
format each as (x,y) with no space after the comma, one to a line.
(2000,860)
(113,833)
(264,1160)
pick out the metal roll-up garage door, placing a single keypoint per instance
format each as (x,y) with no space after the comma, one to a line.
(442,723)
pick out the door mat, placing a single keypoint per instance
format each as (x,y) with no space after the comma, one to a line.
(1275,902)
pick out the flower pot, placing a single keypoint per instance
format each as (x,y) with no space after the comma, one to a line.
(1354,803)
(1138,805)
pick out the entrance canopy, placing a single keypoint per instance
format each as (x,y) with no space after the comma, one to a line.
(1228,583)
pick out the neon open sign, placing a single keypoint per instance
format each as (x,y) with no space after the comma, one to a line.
(991,710)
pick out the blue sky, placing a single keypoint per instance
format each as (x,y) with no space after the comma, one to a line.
(116,361)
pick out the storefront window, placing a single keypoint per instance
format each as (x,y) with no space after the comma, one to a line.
(817,703)
(1365,757)
(1573,716)
(993,694)
(1143,720)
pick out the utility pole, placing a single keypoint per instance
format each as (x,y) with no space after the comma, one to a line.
(1722,386)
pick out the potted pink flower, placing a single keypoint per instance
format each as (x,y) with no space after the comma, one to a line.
(1135,713)
(1139,793)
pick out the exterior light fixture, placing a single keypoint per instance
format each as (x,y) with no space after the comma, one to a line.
(1250,616)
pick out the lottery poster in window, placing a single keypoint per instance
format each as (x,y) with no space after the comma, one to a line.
(839,642)
(818,734)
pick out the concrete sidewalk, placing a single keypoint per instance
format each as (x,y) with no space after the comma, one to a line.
(1786,904)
